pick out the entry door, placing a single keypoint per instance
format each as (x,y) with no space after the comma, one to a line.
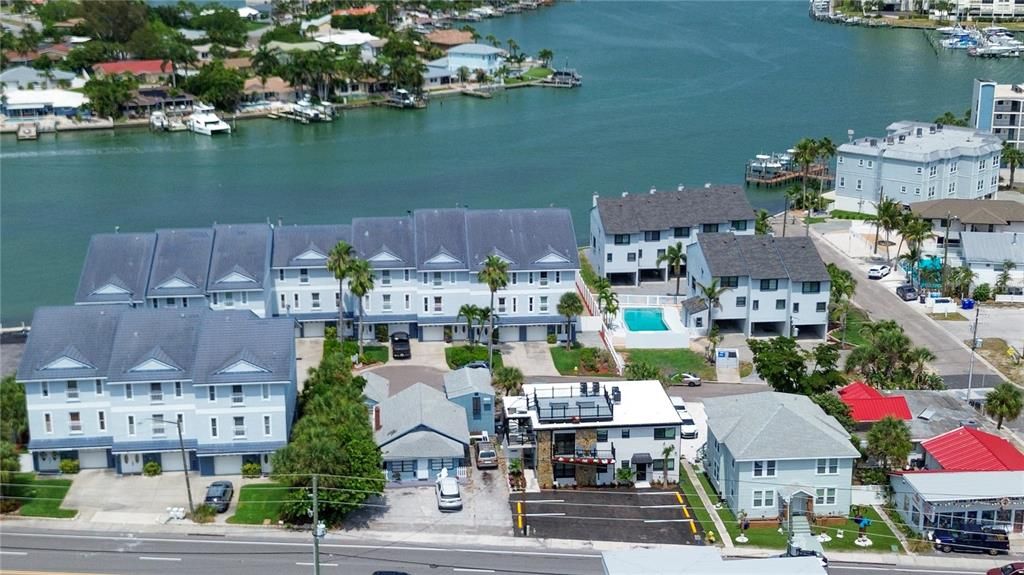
(1018,521)
(641,472)
(131,463)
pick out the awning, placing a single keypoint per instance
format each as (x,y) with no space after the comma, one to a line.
(641,459)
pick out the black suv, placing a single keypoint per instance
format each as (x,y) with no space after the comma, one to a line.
(219,494)
(991,541)
(400,348)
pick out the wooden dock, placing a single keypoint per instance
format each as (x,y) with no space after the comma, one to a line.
(783,177)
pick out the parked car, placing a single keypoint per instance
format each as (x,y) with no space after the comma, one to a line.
(906,292)
(400,348)
(992,542)
(686,379)
(219,494)
(478,364)
(1008,569)
(486,456)
(878,272)
(448,496)
(688,430)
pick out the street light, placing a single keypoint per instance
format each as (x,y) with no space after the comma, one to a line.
(184,459)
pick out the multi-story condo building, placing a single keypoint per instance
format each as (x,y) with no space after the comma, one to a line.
(773,285)
(110,387)
(999,109)
(916,162)
(982,9)
(629,233)
(426,266)
(581,433)
(776,454)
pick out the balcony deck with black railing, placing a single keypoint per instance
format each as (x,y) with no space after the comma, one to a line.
(571,405)
(582,456)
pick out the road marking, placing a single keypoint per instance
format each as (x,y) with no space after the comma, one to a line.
(545,501)
(672,506)
(519,514)
(144,558)
(468,570)
(310,564)
(686,512)
(19,553)
(543,515)
(668,521)
(679,496)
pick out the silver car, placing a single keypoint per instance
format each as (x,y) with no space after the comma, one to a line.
(448,496)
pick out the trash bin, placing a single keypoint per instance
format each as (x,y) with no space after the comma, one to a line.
(922,298)
(967,303)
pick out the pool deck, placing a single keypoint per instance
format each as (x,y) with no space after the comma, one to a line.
(675,335)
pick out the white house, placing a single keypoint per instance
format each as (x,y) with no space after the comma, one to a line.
(581,433)
(419,433)
(952,216)
(985,254)
(629,233)
(34,104)
(25,78)
(476,57)
(773,285)
(928,500)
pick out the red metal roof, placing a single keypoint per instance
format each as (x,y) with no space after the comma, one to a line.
(868,410)
(859,390)
(969,449)
(134,67)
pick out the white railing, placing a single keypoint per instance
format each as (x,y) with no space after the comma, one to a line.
(1002,298)
(630,300)
(620,364)
(588,297)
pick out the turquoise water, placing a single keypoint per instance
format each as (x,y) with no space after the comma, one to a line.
(644,319)
(675,92)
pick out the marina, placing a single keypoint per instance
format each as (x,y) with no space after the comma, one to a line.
(771,170)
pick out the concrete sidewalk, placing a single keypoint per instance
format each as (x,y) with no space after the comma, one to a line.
(939,563)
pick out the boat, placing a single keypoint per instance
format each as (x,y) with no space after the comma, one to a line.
(949,30)
(306,111)
(766,165)
(402,98)
(565,77)
(158,121)
(204,121)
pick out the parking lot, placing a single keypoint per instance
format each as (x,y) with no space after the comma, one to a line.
(649,516)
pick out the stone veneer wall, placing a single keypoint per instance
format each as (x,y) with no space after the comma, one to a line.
(586,475)
(545,473)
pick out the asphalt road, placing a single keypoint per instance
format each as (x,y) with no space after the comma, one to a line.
(837,568)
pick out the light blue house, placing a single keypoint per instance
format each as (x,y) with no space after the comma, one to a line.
(471,388)
(420,432)
(110,386)
(476,57)
(773,455)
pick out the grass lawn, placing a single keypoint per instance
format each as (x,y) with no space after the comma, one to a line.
(41,497)
(746,368)
(530,75)
(847,215)
(371,353)
(759,536)
(815,220)
(459,355)
(994,350)
(587,272)
(567,360)
(855,320)
(259,502)
(954,316)
(250,25)
(670,361)
(701,514)
(881,536)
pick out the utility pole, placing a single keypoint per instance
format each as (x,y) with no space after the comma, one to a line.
(945,253)
(184,465)
(974,346)
(318,530)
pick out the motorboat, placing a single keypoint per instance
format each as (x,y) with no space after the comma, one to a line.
(765,164)
(204,121)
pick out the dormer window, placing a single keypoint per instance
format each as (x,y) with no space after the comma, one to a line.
(304,276)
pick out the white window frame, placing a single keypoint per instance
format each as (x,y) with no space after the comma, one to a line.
(235,427)
(129,391)
(267,426)
(766,497)
(385,277)
(214,427)
(303,275)
(67,390)
(825,496)
(265,391)
(177,389)
(315,299)
(237,397)
(156,392)
(99,387)
(130,420)
(385,302)
(48,422)
(827,466)
(408,302)
(44,389)
(769,468)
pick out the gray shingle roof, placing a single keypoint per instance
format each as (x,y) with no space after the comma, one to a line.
(663,210)
(299,246)
(993,247)
(240,258)
(147,336)
(529,239)
(377,388)
(182,256)
(770,425)
(998,212)
(116,264)
(23,76)
(467,381)
(83,334)
(410,418)
(379,239)
(762,257)
(441,239)
(235,338)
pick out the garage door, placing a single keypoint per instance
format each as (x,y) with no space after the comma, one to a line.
(397,327)
(536,333)
(433,333)
(171,461)
(92,458)
(227,464)
(508,333)
(313,329)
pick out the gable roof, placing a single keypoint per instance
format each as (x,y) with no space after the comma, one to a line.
(859,390)
(228,338)
(134,67)
(24,75)
(240,258)
(441,232)
(467,381)
(527,238)
(867,404)
(300,246)
(762,257)
(145,335)
(969,449)
(998,212)
(771,425)
(635,213)
(393,235)
(992,247)
(74,342)
(416,410)
(377,388)
(116,267)
(181,260)
(475,50)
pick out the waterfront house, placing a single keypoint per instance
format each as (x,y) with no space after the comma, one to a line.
(446,39)
(110,386)
(984,253)
(476,57)
(928,500)
(55,52)
(774,455)
(999,109)
(582,433)
(147,72)
(628,233)
(303,287)
(419,432)
(916,162)
(773,285)
(35,104)
(471,388)
(239,276)
(178,272)
(25,78)
(274,89)
(116,269)
(952,216)
(145,101)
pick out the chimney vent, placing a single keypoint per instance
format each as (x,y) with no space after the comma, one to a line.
(376,418)
(920,131)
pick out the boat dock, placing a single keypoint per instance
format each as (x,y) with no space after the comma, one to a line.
(785,176)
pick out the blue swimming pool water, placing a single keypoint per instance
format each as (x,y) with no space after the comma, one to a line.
(644,319)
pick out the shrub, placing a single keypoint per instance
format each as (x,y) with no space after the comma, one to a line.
(204,514)
(69,466)
(252,470)
(381,333)
(552,339)
(151,468)
(588,359)
(983,292)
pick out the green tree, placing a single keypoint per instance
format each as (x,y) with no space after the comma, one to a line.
(951,119)
(641,371)
(624,476)
(13,411)
(674,257)
(763,224)
(712,295)
(1003,281)
(666,455)
(780,363)
(286,33)
(107,94)
(218,85)
(832,405)
(1013,158)
(463,74)
(508,379)
(889,442)
(483,319)
(338,262)
(84,56)
(806,154)
(1003,403)
(360,282)
(471,312)
(222,26)
(889,217)
(494,273)
(9,465)
(114,20)
(569,305)
(960,280)
(545,56)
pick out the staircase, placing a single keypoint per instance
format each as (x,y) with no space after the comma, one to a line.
(798,525)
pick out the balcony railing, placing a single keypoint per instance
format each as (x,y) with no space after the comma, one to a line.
(565,404)
(74,427)
(584,456)
(237,398)
(239,431)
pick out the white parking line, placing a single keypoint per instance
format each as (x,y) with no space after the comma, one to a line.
(900,569)
(144,558)
(468,570)
(668,520)
(310,564)
(18,553)
(543,514)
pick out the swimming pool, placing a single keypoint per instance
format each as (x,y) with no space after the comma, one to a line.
(644,319)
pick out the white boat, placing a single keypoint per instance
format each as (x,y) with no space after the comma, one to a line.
(949,30)
(204,121)
(158,121)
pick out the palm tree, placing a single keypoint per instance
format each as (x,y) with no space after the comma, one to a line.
(495,274)
(470,312)
(508,379)
(675,257)
(762,225)
(601,286)
(911,259)
(611,305)
(570,306)
(960,280)
(483,317)
(712,294)
(806,154)
(545,56)
(493,40)
(917,358)
(666,453)
(338,263)
(1003,402)
(265,63)
(1013,158)
(463,74)
(513,46)
(889,216)
(1004,277)
(842,288)
(361,283)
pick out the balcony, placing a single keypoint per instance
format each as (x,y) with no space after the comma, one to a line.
(239,431)
(581,456)
(590,402)
(237,398)
(75,427)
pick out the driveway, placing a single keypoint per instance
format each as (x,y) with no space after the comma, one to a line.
(689,447)
(308,353)
(648,516)
(484,508)
(532,357)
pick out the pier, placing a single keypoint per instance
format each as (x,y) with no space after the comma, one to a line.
(783,177)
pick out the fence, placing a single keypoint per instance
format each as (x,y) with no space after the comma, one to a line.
(587,296)
(620,364)
(626,300)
